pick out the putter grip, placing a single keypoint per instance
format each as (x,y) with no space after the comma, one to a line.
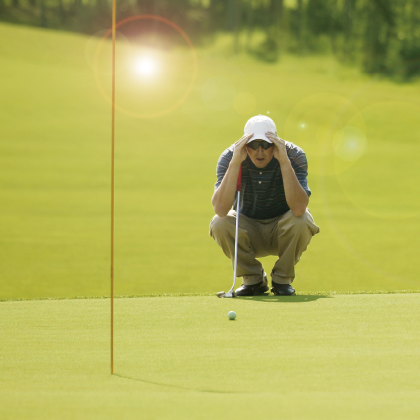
(238,185)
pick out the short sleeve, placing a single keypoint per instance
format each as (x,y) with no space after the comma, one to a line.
(222,167)
(300,166)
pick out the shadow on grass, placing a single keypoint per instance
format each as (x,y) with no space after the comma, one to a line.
(176,386)
(285,299)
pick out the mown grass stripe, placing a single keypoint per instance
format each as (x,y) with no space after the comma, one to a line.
(320,293)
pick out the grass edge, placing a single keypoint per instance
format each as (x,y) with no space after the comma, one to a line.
(310,293)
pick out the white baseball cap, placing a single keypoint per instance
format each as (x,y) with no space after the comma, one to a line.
(259,125)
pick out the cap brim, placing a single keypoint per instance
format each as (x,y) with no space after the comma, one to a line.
(259,137)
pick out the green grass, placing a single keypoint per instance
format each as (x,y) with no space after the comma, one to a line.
(346,347)
(303,357)
(318,293)
(55,170)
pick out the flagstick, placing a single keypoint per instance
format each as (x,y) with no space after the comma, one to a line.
(112,185)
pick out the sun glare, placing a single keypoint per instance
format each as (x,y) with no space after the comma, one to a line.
(145,66)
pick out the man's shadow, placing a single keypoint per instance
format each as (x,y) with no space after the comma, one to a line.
(285,299)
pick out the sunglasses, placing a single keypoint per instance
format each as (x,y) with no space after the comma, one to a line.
(255,144)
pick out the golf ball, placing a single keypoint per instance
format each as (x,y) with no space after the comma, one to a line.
(231,315)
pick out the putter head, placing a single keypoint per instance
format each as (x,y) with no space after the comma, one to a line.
(230,294)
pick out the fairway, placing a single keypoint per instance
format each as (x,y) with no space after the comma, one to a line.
(55,160)
(302,357)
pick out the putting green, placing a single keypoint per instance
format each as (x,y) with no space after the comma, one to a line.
(303,357)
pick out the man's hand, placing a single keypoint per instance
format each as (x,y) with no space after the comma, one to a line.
(223,197)
(239,151)
(296,196)
(280,152)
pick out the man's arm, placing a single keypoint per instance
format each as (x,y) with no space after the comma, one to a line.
(223,197)
(296,196)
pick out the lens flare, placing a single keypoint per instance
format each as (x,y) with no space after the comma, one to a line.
(380,184)
(350,143)
(209,90)
(101,63)
(383,178)
(179,90)
(221,95)
(218,93)
(244,103)
(314,123)
(145,66)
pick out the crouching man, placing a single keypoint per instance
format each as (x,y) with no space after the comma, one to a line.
(274,218)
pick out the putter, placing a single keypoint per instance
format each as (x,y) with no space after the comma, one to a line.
(231,293)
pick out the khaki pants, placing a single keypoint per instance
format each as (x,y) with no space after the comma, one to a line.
(286,236)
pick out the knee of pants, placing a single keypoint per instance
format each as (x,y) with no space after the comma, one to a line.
(297,223)
(218,225)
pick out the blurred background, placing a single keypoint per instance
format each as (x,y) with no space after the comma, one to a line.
(340,78)
(377,35)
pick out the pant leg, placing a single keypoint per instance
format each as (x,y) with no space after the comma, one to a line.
(291,237)
(222,230)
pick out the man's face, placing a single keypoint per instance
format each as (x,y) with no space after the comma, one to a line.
(260,157)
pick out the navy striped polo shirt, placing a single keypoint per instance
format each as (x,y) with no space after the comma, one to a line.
(262,190)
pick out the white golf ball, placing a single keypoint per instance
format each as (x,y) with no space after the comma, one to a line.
(231,315)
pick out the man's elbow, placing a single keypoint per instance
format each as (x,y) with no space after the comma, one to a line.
(220,212)
(299,209)
(299,212)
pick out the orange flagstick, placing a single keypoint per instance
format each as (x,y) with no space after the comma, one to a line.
(112,184)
